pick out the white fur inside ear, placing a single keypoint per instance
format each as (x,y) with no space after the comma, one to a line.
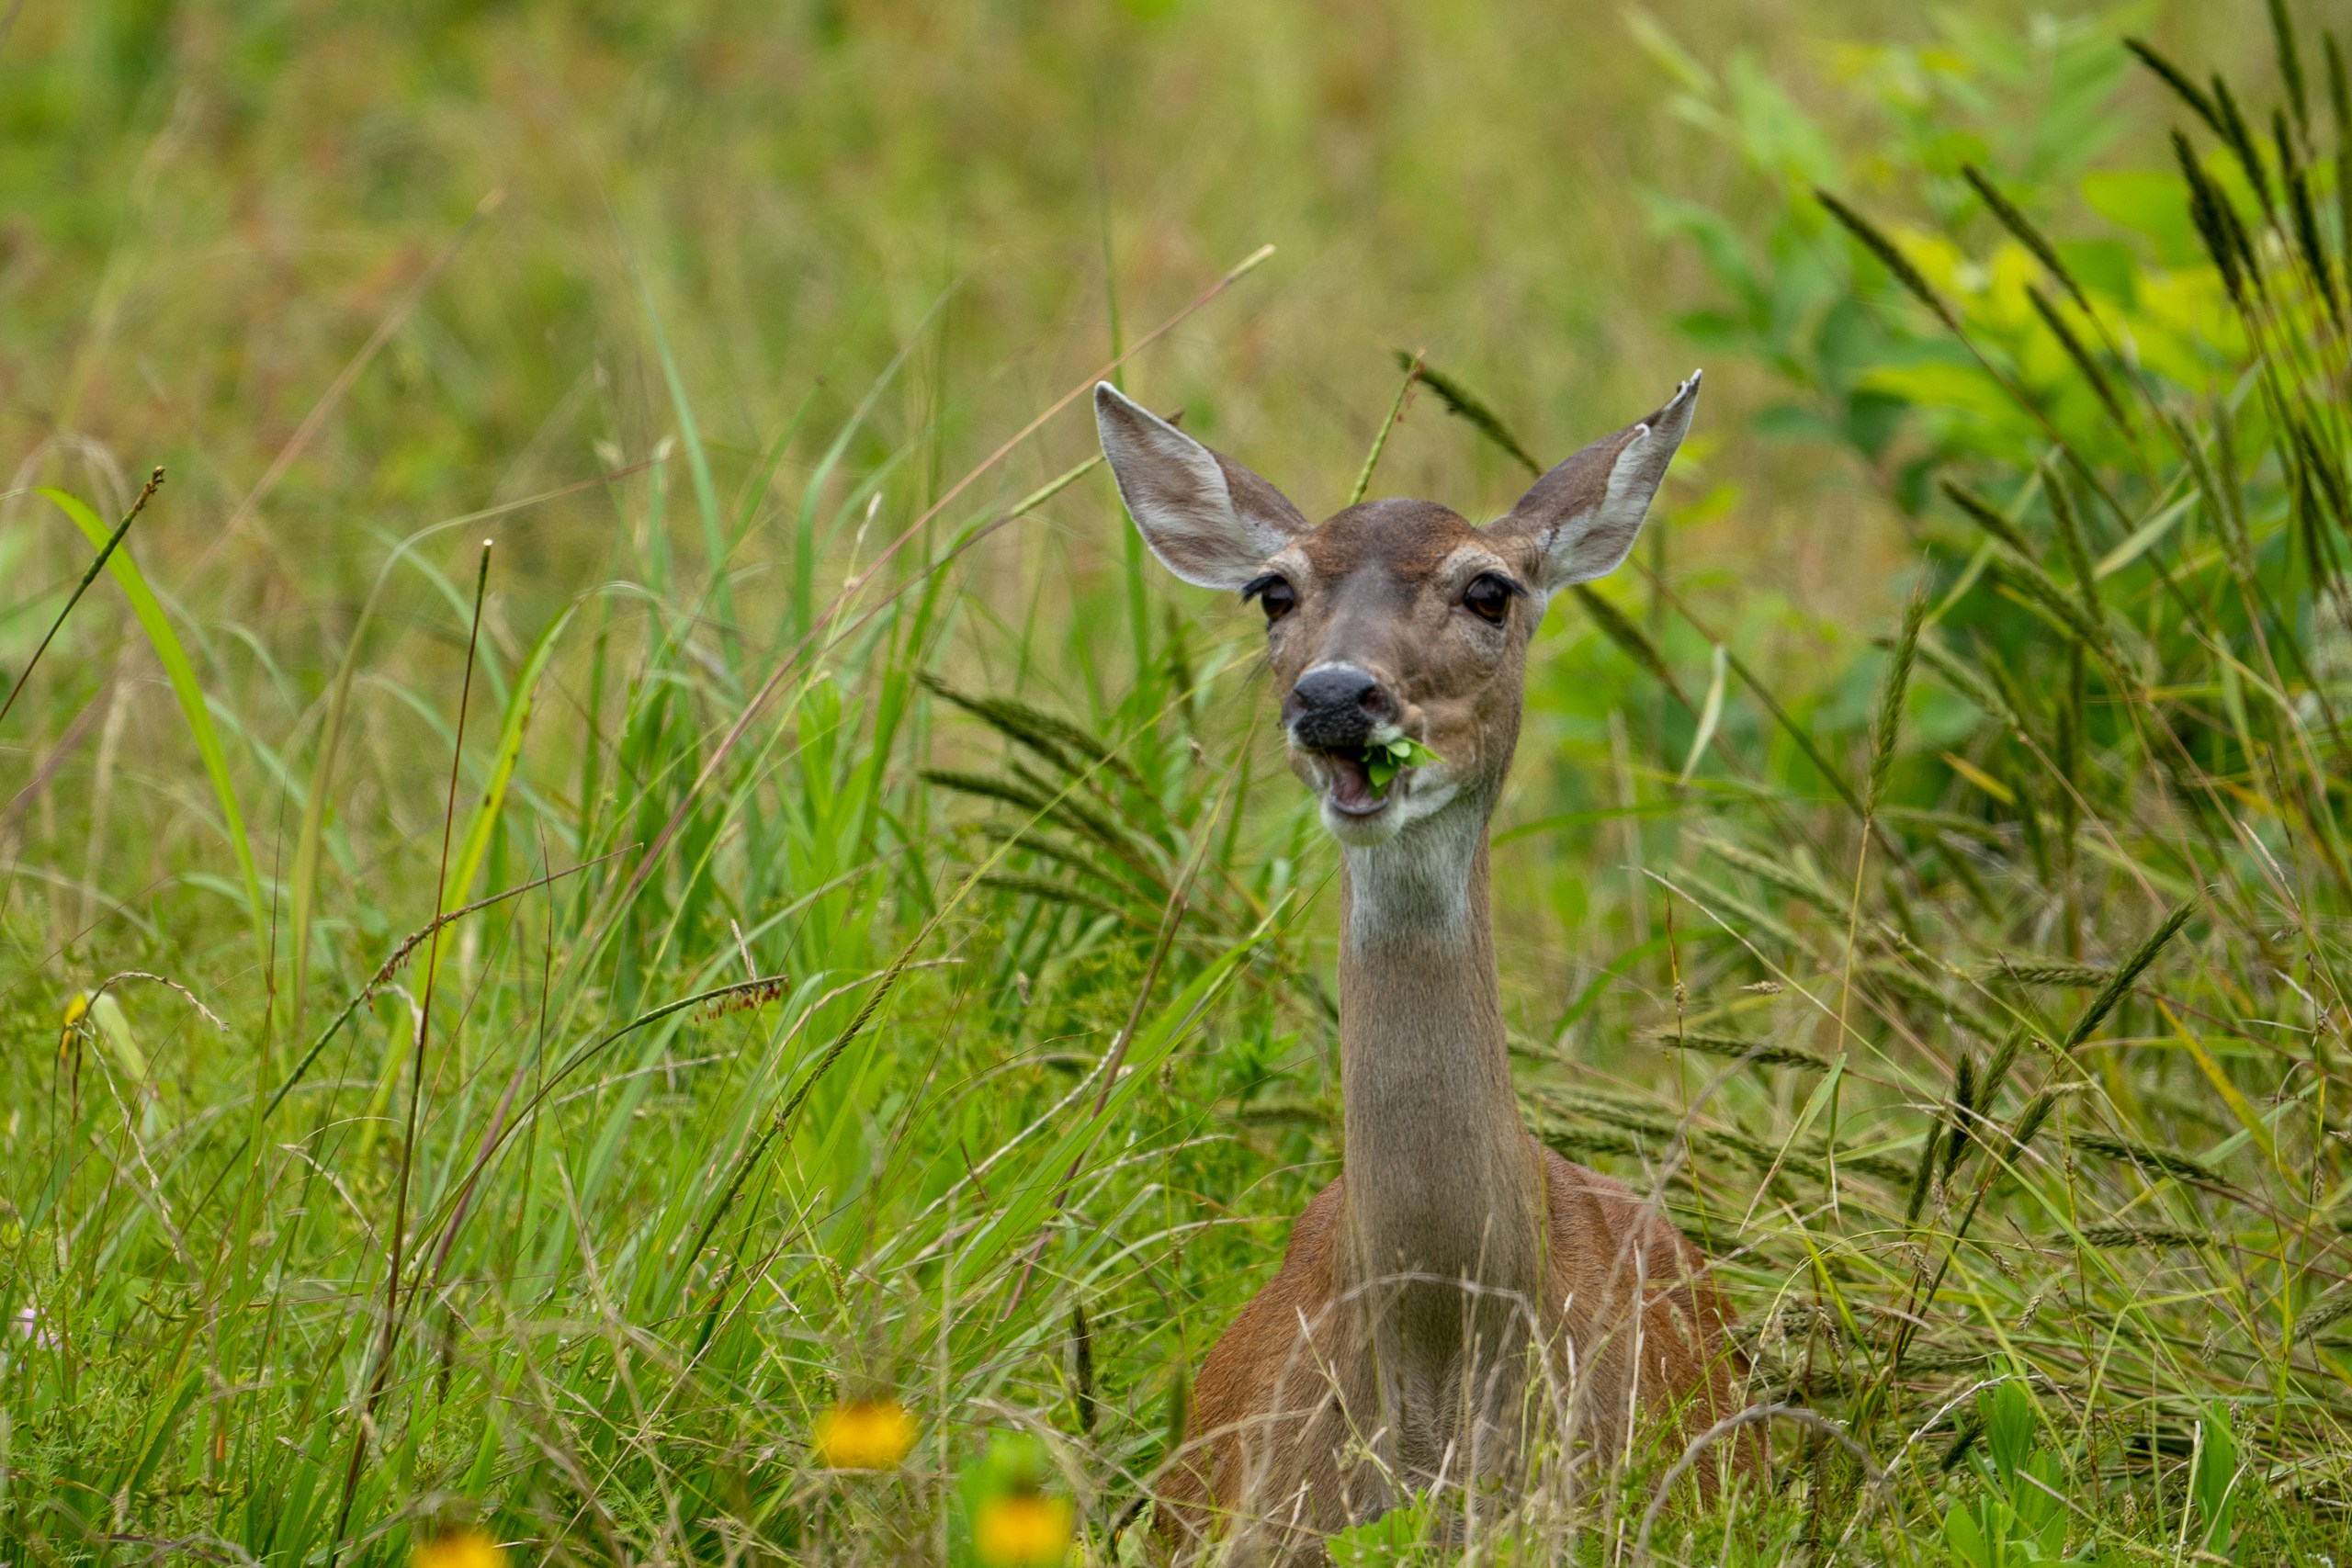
(1177,491)
(1596,542)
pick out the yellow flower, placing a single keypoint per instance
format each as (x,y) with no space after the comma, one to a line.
(1023,1529)
(864,1434)
(77,1007)
(457,1549)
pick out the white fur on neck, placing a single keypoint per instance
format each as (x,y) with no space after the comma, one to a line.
(1415,886)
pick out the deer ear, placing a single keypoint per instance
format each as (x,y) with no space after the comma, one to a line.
(1582,517)
(1209,520)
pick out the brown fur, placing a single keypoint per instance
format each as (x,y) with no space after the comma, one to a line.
(1405,539)
(1271,1421)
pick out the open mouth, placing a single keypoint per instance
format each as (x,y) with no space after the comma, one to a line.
(1357,778)
(1352,791)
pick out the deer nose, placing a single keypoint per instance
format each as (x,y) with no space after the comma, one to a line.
(1337,707)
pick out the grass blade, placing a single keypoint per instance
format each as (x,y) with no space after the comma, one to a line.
(461,884)
(105,552)
(1380,442)
(1711,713)
(190,694)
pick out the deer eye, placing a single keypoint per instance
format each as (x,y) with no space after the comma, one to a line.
(1274,596)
(1488,597)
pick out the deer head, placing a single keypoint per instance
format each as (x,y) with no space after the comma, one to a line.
(1394,619)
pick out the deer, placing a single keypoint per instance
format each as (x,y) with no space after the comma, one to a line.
(1458,1271)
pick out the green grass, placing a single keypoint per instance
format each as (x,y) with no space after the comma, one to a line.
(884,956)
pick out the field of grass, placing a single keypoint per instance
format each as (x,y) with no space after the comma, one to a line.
(806,944)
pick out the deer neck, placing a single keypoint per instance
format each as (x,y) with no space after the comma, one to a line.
(1441,1178)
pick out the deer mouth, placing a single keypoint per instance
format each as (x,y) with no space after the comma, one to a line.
(1350,791)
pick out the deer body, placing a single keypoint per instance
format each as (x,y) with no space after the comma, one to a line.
(1457,1266)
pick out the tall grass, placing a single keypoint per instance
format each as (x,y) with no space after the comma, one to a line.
(874,962)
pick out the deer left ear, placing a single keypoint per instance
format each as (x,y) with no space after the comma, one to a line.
(1209,520)
(1583,516)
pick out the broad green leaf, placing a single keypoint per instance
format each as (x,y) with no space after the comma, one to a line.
(1383,761)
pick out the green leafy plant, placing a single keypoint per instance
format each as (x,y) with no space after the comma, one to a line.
(2214,1484)
(1385,760)
(1401,1538)
(2020,1520)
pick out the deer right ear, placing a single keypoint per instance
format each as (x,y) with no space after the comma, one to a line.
(1209,520)
(1582,517)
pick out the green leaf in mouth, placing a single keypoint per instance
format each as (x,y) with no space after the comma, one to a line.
(1384,760)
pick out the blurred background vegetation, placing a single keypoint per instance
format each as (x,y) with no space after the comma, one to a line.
(717,316)
(213,209)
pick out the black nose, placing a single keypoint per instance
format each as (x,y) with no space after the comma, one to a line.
(1336,708)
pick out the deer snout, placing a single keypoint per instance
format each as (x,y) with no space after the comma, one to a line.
(1335,707)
